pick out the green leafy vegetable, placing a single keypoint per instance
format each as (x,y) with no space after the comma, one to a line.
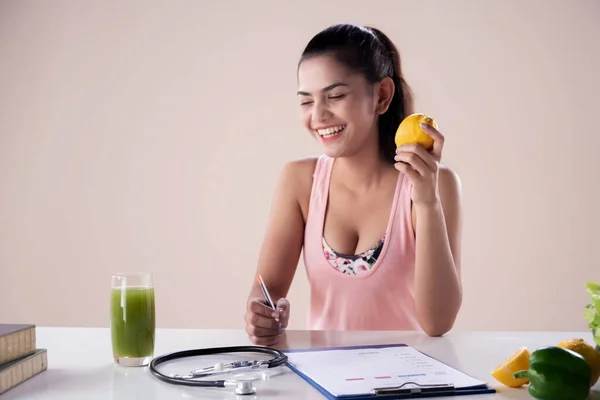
(592,311)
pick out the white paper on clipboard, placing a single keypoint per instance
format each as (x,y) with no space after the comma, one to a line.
(356,371)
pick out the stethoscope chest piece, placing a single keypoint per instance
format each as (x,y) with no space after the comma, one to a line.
(245,388)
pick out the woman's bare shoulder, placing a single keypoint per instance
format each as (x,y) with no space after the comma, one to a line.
(297,178)
(300,169)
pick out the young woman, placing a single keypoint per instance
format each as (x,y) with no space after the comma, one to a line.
(379,227)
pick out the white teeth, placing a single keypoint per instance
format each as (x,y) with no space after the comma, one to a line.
(332,131)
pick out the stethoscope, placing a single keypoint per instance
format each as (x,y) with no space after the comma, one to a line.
(242,387)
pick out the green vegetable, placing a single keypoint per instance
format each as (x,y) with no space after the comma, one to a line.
(557,374)
(592,311)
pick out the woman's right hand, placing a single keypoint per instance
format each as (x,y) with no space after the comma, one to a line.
(266,326)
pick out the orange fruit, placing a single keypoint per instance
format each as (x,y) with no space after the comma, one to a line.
(517,361)
(589,354)
(410,131)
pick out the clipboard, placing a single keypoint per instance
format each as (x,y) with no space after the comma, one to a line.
(401,386)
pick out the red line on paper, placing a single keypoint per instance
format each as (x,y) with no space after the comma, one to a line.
(383,377)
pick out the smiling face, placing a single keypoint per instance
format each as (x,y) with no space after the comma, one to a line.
(338,106)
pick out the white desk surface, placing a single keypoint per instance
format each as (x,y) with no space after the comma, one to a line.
(80,364)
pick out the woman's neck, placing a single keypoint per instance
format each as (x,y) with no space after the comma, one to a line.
(363,170)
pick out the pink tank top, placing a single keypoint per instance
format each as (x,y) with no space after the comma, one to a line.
(378,299)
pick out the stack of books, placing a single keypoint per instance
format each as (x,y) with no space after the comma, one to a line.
(20,359)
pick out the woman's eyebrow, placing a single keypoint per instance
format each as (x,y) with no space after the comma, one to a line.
(325,89)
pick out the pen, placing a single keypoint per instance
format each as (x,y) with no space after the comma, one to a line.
(263,287)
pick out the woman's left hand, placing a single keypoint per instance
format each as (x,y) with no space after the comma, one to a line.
(421,167)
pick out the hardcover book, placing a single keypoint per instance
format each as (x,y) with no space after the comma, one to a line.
(16,341)
(22,369)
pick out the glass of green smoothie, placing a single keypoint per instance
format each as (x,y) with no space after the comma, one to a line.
(132,318)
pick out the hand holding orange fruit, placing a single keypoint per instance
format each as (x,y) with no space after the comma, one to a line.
(410,131)
(418,154)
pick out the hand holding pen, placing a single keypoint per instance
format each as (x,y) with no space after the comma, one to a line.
(266,320)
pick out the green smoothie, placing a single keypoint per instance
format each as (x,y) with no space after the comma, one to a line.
(132,314)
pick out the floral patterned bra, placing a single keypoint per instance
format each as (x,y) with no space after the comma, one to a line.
(355,264)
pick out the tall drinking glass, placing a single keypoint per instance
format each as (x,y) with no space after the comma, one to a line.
(132,318)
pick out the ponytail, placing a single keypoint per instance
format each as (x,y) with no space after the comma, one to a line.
(401,105)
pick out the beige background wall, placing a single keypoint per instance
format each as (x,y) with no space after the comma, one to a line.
(148,136)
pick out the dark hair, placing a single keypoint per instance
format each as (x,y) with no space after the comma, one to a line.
(369,51)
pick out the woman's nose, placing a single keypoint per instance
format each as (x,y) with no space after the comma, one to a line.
(321,112)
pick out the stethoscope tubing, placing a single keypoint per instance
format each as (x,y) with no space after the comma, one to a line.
(279,358)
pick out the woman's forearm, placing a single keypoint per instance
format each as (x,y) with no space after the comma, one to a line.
(438,292)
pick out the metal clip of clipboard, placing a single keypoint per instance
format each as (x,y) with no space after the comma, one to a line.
(395,390)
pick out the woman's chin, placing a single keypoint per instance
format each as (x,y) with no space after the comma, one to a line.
(333,153)
(332,147)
